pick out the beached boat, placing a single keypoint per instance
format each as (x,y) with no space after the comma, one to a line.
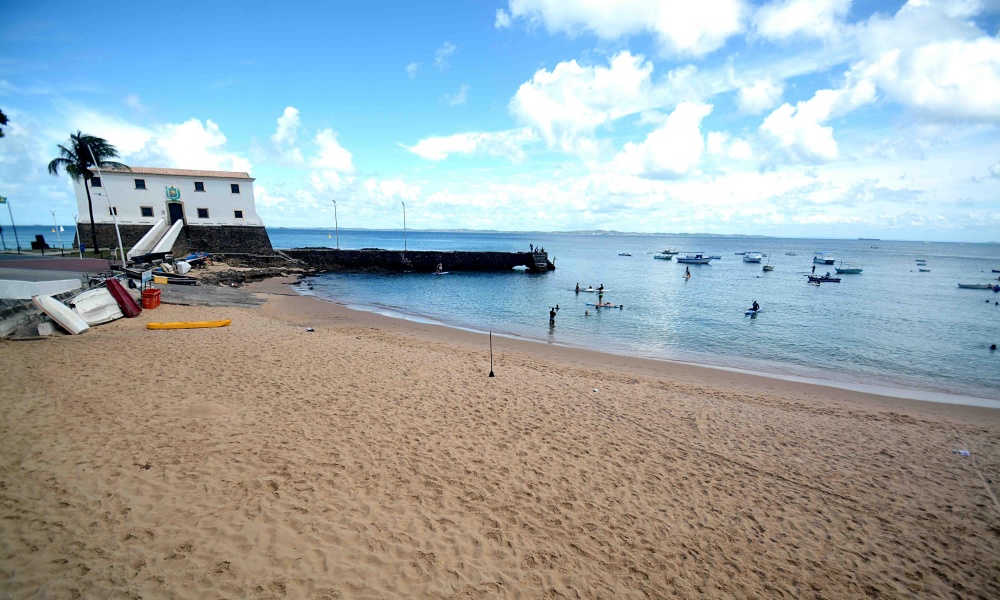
(96,306)
(61,314)
(848,269)
(125,300)
(824,258)
(752,257)
(189,324)
(695,258)
(975,286)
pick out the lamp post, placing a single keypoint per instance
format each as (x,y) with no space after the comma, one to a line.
(55,228)
(336,225)
(114,217)
(404,225)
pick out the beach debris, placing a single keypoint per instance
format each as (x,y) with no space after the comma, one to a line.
(961,452)
(310,329)
(596,390)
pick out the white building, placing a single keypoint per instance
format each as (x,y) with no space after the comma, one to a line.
(216,210)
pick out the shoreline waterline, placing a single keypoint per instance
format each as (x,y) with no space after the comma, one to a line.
(887,391)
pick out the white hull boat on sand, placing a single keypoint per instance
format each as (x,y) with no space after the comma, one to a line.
(96,306)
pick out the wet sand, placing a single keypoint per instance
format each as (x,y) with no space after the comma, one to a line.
(374,458)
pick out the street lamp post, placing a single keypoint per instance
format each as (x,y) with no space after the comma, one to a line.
(336,225)
(114,217)
(404,225)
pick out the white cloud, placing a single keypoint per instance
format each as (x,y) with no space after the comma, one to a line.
(288,125)
(800,131)
(502,20)
(330,155)
(132,101)
(931,57)
(995,171)
(721,143)
(761,95)
(567,104)
(507,144)
(695,28)
(460,97)
(672,150)
(412,68)
(190,145)
(808,18)
(442,55)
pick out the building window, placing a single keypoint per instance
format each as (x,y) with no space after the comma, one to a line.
(95,182)
(238,214)
(202,213)
(147,211)
(235,187)
(113,210)
(140,184)
(199,186)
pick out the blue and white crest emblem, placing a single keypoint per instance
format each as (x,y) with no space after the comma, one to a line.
(173,193)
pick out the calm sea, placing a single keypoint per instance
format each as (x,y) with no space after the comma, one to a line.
(891,326)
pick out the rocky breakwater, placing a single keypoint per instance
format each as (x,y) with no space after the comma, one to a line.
(400,261)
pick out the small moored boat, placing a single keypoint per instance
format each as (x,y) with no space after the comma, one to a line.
(848,269)
(753,257)
(975,286)
(824,258)
(695,258)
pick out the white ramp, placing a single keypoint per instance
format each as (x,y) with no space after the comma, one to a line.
(148,241)
(167,241)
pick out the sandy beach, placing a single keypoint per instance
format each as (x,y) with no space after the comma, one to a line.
(374,458)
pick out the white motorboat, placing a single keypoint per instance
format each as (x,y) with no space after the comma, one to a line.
(824,258)
(695,258)
(753,257)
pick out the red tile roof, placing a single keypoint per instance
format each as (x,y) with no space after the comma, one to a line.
(183,172)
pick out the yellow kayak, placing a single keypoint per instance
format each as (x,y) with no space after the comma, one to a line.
(188,324)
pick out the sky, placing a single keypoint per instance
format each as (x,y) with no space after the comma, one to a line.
(793,118)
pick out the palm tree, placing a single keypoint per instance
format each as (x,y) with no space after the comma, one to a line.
(77,158)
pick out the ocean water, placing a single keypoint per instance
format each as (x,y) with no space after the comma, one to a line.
(890,326)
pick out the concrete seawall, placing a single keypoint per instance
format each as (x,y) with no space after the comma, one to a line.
(375,259)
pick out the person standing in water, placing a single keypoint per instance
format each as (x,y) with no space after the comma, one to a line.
(552,316)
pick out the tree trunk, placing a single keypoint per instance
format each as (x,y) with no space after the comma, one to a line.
(90,205)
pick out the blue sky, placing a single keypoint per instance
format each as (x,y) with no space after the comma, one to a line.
(811,118)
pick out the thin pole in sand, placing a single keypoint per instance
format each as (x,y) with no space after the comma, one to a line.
(491,355)
(336,224)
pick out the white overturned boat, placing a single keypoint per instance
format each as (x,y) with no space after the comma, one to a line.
(96,306)
(61,314)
